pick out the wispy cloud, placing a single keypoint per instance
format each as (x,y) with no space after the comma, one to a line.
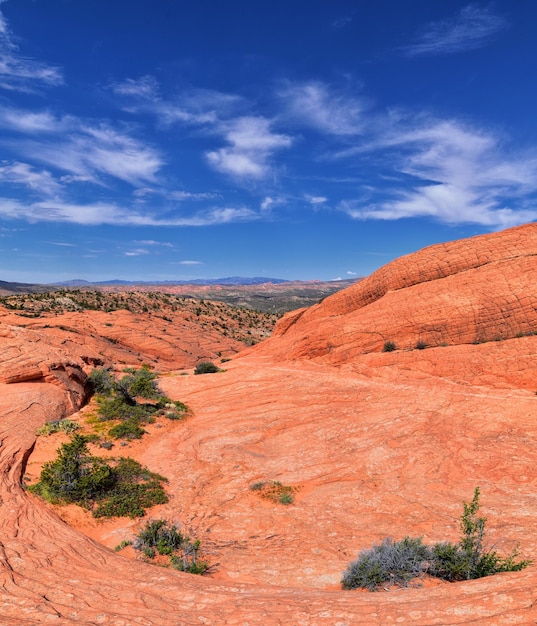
(187,263)
(86,152)
(152,242)
(456,174)
(62,244)
(145,87)
(251,144)
(316,105)
(472,28)
(24,174)
(315,200)
(31,122)
(137,252)
(18,73)
(341,22)
(100,213)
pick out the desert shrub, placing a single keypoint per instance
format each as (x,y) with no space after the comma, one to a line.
(161,537)
(120,402)
(396,563)
(387,563)
(471,558)
(206,367)
(420,345)
(75,476)
(121,488)
(56,426)
(389,346)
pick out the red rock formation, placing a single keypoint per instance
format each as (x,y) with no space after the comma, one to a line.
(378,444)
(467,291)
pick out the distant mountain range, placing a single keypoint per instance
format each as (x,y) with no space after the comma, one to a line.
(232,280)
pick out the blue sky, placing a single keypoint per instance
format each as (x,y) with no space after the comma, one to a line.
(300,139)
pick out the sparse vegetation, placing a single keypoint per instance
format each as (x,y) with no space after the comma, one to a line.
(389,346)
(121,487)
(420,345)
(57,426)
(397,563)
(275,491)
(243,323)
(159,537)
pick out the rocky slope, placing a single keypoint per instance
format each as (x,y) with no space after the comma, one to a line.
(377,444)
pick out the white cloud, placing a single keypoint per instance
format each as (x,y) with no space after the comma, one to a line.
(470,29)
(315,104)
(316,200)
(30,122)
(100,213)
(24,174)
(18,73)
(152,242)
(252,143)
(188,263)
(145,87)
(87,152)
(457,174)
(137,252)
(349,273)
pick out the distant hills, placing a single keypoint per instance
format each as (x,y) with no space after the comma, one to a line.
(232,280)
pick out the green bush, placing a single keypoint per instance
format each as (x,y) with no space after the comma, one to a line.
(396,563)
(206,367)
(75,476)
(140,383)
(122,487)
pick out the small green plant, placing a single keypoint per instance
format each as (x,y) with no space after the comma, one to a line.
(122,545)
(389,346)
(206,367)
(396,563)
(162,538)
